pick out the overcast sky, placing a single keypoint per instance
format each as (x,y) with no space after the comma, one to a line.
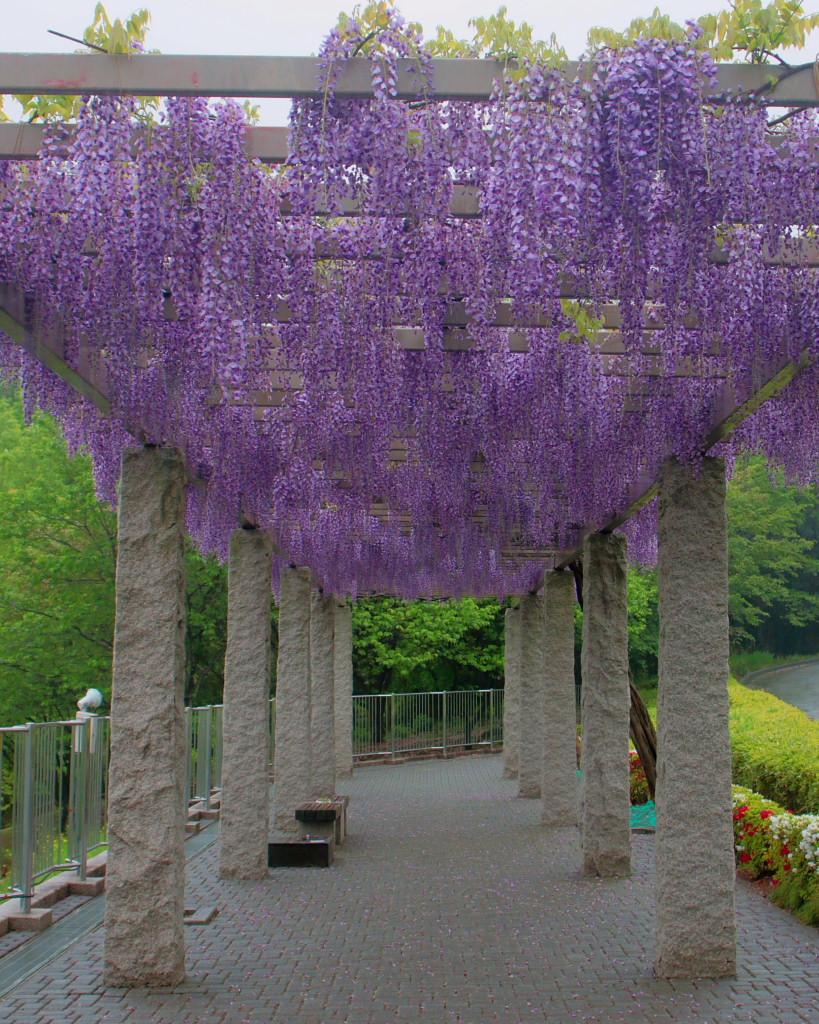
(298,26)
(284,27)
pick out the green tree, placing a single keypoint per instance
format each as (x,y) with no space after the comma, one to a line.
(57,576)
(774,561)
(746,28)
(427,645)
(57,566)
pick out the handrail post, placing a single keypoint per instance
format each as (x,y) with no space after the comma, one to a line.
(206,770)
(392,726)
(27,845)
(491,720)
(188,757)
(443,701)
(83,791)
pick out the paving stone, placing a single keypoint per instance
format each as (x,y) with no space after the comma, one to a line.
(445,910)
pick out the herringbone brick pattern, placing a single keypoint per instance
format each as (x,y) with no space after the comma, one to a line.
(449,903)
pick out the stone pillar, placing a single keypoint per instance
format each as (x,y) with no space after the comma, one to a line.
(530,741)
(245,811)
(511,693)
(696,934)
(605,811)
(322,698)
(559,781)
(145,883)
(291,765)
(343,682)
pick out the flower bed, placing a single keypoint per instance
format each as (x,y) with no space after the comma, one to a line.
(772,842)
(637,780)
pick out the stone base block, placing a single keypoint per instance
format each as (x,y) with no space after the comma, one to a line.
(192,828)
(97,866)
(57,890)
(200,915)
(300,853)
(34,921)
(89,887)
(4,926)
(212,814)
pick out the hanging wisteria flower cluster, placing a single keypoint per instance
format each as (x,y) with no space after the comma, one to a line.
(445,333)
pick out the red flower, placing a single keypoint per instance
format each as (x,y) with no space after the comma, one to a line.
(766,814)
(745,858)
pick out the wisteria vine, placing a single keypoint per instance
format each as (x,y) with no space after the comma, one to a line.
(256,318)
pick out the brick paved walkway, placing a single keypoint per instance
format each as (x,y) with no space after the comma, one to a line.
(438,911)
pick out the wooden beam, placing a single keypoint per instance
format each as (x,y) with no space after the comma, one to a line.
(461,78)
(15,322)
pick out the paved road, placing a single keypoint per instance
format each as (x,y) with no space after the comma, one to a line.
(798,685)
(448,905)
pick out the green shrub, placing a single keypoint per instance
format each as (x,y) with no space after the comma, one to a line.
(770,841)
(775,749)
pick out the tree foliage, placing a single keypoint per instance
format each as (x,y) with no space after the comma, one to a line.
(57,566)
(774,561)
(57,575)
(427,645)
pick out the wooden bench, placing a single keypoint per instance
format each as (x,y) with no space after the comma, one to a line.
(323,818)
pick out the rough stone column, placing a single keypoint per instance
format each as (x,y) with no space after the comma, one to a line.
(605,809)
(559,781)
(145,882)
(511,693)
(291,764)
(530,742)
(696,934)
(322,698)
(245,811)
(343,681)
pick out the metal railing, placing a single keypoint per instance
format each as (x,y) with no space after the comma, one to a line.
(59,780)
(55,774)
(395,725)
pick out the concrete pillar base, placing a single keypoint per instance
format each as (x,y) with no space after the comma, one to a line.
(530,742)
(605,808)
(245,809)
(343,682)
(511,693)
(322,698)
(696,930)
(559,781)
(292,749)
(144,935)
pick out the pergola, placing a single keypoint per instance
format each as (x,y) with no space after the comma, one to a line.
(144,945)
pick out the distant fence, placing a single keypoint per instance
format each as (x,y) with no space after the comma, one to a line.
(396,725)
(55,774)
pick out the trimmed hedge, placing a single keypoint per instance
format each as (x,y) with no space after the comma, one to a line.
(771,842)
(775,749)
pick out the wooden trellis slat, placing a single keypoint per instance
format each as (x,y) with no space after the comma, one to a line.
(460,78)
